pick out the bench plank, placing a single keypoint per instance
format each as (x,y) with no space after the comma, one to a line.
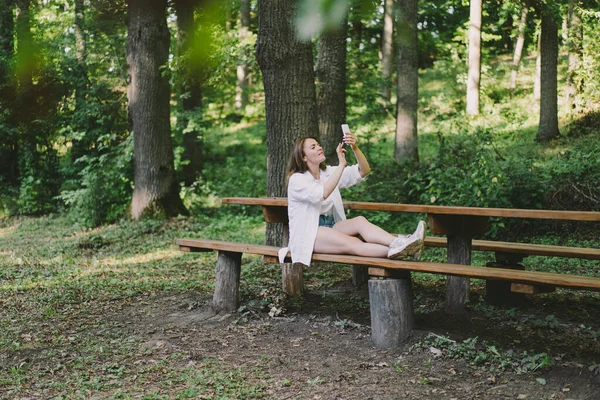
(527,277)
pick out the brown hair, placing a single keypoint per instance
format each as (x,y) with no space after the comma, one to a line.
(296,162)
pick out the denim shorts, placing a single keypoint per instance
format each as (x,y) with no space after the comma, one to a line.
(326,220)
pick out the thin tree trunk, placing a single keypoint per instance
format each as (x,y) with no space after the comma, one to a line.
(408,82)
(149,113)
(241,90)
(518,48)
(474,76)
(81,79)
(190,99)
(331,87)
(574,41)
(548,126)
(290,100)
(387,50)
(538,67)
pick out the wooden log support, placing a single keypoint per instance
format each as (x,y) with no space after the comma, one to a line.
(227,282)
(498,292)
(291,278)
(392,315)
(531,289)
(360,275)
(460,230)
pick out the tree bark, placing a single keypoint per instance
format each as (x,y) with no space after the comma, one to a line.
(518,48)
(290,101)
(574,44)
(548,126)
(241,90)
(474,75)
(148,94)
(79,146)
(190,96)
(538,69)
(8,139)
(387,50)
(331,87)
(408,82)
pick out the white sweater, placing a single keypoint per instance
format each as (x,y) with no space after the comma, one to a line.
(305,195)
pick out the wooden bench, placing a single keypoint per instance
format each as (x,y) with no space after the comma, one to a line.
(390,289)
(459,225)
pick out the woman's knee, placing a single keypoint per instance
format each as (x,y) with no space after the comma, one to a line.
(360,220)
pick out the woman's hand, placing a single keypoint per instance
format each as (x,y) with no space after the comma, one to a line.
(341,153)
(350,140)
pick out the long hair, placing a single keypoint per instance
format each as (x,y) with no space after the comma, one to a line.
(296,162)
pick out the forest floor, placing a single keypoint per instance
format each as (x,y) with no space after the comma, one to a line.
(120,313)
(183,350)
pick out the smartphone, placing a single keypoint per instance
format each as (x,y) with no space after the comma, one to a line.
(345,129)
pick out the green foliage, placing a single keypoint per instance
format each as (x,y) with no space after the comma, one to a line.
(480,354)
(106,186)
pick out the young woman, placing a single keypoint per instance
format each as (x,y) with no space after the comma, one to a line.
(316,214)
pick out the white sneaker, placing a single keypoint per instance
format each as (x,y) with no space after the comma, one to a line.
(405,246)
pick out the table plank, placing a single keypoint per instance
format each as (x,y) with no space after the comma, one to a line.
(593,216)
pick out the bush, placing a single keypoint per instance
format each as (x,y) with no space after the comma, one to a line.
(105,188)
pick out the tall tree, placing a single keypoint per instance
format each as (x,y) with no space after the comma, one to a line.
(408,81)
(288,78)
(574,46)
(474,73)
(331,86)
(548,125)
(387,50)
(241,89)
(8,139)
(538,66)
(518,47)
(81,78)
(190,90)
(155,187)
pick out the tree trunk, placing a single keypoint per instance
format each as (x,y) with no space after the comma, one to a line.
(79,146)
(574,43)
(518,48)
(290,101)
(408,82)
(331,87)
(241,90)
(8,139)
(148,95)
(548,126)
(190,97)
(538,69)
(387,50)
(474,76)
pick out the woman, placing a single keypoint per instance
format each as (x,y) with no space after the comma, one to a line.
(316,214)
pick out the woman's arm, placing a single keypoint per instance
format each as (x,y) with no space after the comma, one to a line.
(363,165)
(331,183)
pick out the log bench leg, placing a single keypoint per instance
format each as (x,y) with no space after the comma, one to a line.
(360,275)
(291,278)
(392,315)
(499,293)
(227,282)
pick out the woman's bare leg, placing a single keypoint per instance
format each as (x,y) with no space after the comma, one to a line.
(333,241)
(370,232)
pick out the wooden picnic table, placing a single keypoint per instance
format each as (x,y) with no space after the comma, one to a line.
(458,224)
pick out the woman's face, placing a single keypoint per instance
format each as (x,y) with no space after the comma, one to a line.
(313,152)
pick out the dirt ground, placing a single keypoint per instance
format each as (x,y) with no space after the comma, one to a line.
(315,353)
